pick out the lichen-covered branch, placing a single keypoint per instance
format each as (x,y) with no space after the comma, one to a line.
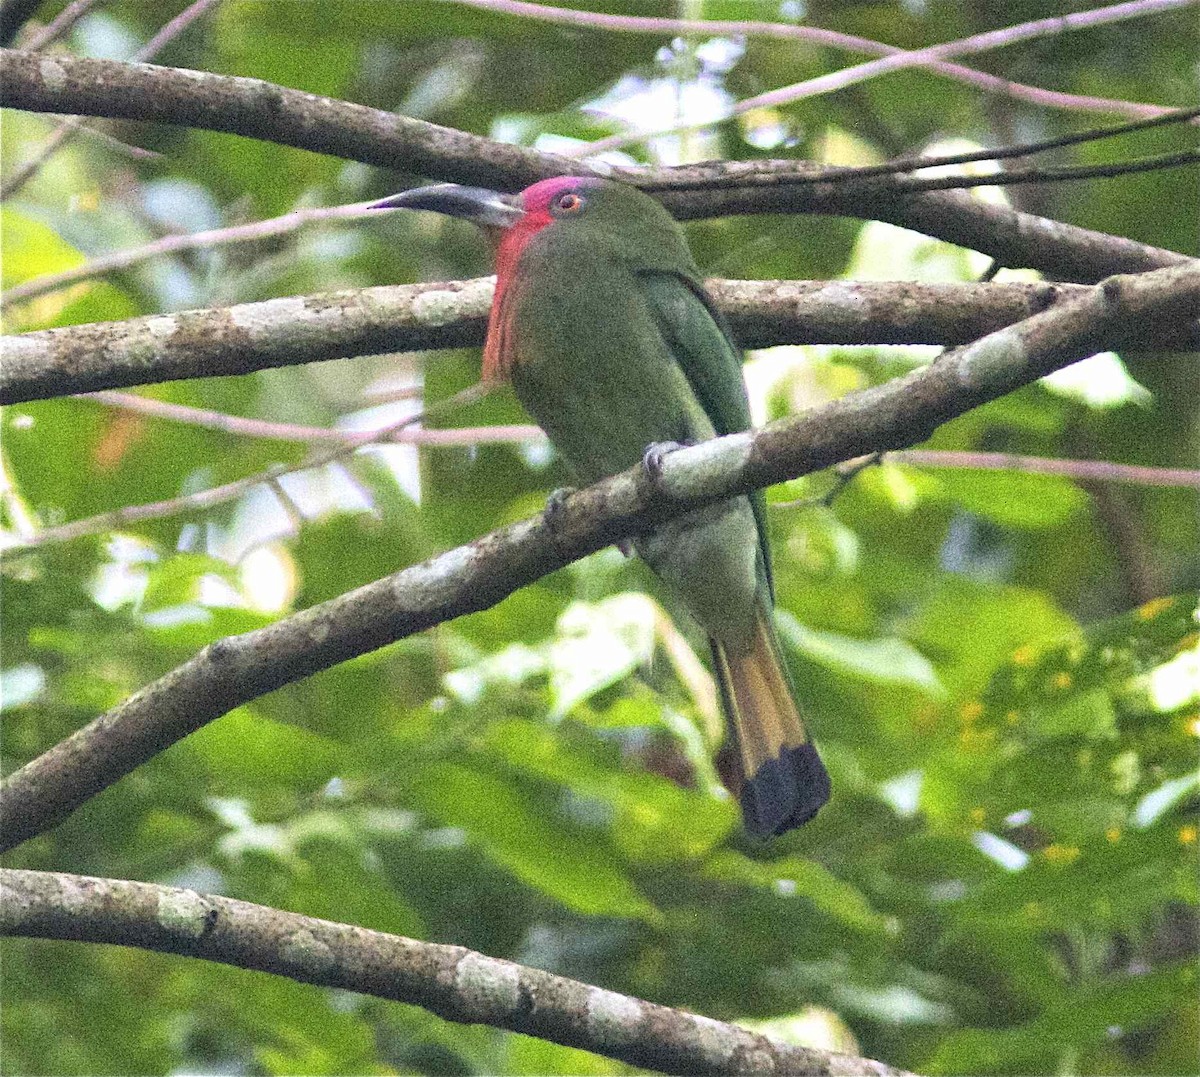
(306,329)
(263,110)
(232,671)
(450,981)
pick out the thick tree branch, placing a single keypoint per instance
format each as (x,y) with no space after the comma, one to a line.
(290,222)
(900,413)
(450,981)
(273,113)
(416,317)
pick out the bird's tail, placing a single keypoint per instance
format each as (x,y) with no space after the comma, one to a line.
(771,765)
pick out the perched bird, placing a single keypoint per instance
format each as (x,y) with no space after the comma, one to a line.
(602,324)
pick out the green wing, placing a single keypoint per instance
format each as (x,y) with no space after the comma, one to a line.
(701,343)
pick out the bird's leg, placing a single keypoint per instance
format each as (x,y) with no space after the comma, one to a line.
(652,465)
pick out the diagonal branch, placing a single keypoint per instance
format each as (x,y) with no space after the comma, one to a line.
(60,25)
(274,113)
(450,981)
(232,671)
(453,314)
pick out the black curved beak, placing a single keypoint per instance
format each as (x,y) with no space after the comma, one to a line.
(476,204)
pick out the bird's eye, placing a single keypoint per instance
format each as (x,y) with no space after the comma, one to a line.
(569,203)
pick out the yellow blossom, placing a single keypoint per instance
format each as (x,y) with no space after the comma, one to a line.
(1061,854)
(970,711)
(1149,610)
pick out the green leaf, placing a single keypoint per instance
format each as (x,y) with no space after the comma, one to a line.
(655,819)
(1082,1018)
(885,661)
(245,750)
(598,644)
(32,249)
(1013,498)
(795,877)
(969,628)
(568,866)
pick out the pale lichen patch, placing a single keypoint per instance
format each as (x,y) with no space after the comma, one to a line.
(984,361)
(489,988)
(304,950)
(161,325)
(438,307)
(423,585)
(269,315)
(841,296)
(717,1042)
(612,1018)
(183,912)
(52,74)
(692,470)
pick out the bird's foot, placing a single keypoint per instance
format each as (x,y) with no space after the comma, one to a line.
(653,457)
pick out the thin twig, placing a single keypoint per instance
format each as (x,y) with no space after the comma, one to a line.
(172,30)
(262,428)
(61,134)
(1083,470)
(220,495)
(831,38)
(1157,163)
(60,24)
(216,237)
(898,60)
(803,174)
(126,149)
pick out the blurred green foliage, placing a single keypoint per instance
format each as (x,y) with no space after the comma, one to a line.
(1002,684)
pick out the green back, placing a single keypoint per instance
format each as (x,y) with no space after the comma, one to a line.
(635,227)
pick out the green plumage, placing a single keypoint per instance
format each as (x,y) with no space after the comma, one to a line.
(615,347)
(612,345)
(602,323)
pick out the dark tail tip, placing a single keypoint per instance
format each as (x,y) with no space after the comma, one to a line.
(785,792)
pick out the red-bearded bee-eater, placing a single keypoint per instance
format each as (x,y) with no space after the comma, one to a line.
(602,324)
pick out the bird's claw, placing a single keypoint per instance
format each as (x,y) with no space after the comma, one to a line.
(653,457)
